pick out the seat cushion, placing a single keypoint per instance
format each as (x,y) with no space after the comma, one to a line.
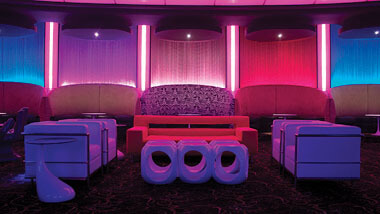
(290,152)
(177,138)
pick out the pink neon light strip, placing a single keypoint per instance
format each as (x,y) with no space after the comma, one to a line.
(324,55)
(233,57)
(143,56)
(51,52)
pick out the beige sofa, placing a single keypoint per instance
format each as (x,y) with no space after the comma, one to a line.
(73,100)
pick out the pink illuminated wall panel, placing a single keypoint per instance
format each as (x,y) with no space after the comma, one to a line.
(176,62)
(98,61)
(288,62)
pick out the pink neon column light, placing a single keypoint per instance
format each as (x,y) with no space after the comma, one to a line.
(232,57)
(143,56)
(323,31)
(51,55)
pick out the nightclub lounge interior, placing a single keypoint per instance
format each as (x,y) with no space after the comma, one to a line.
(189,106)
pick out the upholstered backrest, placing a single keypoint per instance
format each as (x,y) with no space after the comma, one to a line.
(15,95)
(107,98)
(187,99)
(145,120)
(266,100)
(356,100)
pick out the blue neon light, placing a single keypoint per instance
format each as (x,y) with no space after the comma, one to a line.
(22,58)
(354,61)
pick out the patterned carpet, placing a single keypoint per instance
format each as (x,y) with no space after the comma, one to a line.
(123,190)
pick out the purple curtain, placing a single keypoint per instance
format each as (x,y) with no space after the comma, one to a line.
(177,62)
(96,61)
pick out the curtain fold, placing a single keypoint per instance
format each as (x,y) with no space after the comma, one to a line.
(98,61)
(22,58)
(354,61)
(177,62)
(287,62)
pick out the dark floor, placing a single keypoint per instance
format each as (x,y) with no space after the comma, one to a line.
(265,191)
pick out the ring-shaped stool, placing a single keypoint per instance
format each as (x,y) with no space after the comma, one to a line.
(237,172)
(201,172)
(150,171)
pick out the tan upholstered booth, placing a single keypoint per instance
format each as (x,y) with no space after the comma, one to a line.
(356,100)
(73,100)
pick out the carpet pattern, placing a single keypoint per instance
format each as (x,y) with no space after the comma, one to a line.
(122,189)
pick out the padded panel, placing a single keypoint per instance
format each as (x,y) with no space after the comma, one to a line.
(256,101)
(118,99)
(373,99)
(74,99)
(350,100)
(17,95)
(300,100)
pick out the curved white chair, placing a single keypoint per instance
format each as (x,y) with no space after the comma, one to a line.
(109,136)
(323,152)
(200,173)
(150,171)
(237,172)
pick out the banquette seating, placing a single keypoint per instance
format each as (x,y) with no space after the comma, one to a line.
(15,95)
(265,100)
(352,102)
(71,101)
(141,132)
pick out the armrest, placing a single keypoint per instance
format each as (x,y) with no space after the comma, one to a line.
(135,138)
(44,109)
(248,137)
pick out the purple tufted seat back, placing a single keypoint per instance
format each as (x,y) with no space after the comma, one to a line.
(187,99)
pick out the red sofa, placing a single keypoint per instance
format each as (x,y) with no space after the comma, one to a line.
(266,100)
(141,132)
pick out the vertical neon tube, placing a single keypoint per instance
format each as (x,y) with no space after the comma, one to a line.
(51,47)
(323,59)
(143,57)
(233,53)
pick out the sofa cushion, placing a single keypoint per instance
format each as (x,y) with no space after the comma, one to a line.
(177,138)
(191,131)
(145,120)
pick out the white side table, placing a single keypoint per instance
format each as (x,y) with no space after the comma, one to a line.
(284,115)
(378,117)
(94,115)
(50,189)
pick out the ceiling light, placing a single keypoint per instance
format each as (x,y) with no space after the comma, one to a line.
(188,36)
(96,34)
(377,32)
(279,35)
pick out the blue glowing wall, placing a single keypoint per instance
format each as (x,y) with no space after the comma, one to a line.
(22,58)
(354,61)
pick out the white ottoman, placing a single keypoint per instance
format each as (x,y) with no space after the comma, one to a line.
(200,173)
(237,172)
(150,171)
